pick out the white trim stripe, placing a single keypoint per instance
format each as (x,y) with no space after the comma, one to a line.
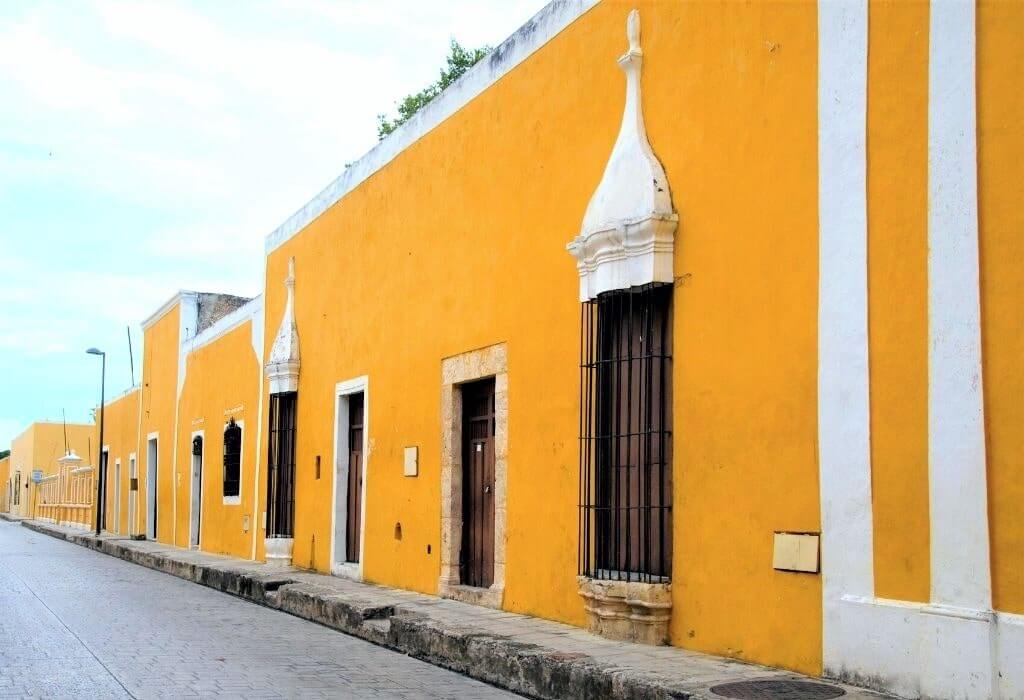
(843,388)
(164,308)
(541,29)
(960,571)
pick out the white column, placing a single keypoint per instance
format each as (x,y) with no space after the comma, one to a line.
(957,628)
(844,449)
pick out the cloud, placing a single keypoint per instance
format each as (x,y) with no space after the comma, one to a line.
(149,146)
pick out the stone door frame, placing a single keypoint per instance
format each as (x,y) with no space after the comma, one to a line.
(483,363)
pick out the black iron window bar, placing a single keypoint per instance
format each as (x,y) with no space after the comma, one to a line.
(625,499)
(281,471)
(232,458)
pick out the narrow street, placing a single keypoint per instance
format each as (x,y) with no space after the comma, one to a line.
(76,623)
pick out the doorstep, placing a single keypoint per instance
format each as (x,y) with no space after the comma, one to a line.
(534,657)
(11,517)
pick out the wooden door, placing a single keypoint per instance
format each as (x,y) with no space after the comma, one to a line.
(151,490)
(354,511)
(477,556)
(117,496)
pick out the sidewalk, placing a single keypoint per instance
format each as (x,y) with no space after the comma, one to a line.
(530,656)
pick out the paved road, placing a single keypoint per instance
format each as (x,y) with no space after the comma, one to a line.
(75,623)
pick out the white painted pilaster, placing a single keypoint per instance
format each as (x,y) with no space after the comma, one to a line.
(844,449)
(954,646)
(958,628)
(956,422)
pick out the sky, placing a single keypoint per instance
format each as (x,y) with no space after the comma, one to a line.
(147,147)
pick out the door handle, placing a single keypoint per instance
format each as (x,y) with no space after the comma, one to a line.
(487,489)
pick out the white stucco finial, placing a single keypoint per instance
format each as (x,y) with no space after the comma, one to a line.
(70,457)
(633,31)
(628,231)
(283,364)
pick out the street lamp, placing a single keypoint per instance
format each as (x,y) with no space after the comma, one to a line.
(101,486)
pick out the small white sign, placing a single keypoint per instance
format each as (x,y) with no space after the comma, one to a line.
(796,552)
(412,461)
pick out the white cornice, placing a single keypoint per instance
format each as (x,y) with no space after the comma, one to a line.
(627,237)
(166,306)
(537,32)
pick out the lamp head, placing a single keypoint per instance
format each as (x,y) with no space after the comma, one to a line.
(95,351)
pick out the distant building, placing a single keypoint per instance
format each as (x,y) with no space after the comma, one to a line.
(5,484)
(39,447)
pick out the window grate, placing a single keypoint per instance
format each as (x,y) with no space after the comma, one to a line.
(232,458)
(625,506)
(281,476)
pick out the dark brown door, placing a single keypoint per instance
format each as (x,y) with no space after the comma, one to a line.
(477,557)
(355,477)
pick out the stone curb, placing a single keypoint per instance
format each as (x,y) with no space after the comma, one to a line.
(527,669)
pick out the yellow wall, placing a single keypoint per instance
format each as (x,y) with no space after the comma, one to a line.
(898,270)
(1001,192)
(478,257)
(222,381)
(121,436)
(159,399)
(746,328)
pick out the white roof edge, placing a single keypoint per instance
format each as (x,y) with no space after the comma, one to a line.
(120,396)
(224,324)
(165,307)
(538,31)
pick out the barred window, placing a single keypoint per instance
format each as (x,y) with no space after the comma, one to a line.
(281,465)
(232,458)
(625,435)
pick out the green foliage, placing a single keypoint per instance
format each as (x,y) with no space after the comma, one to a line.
(459,61)
(5,453)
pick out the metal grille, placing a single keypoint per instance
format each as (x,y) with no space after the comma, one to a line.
(625,435)
(778,690)
(281,472)
(232,458)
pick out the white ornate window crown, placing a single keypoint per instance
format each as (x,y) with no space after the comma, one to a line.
(628,232)
(283,364)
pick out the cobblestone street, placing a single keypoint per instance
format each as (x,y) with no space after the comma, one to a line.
(76,623)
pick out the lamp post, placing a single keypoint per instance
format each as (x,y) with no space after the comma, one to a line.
(101,477)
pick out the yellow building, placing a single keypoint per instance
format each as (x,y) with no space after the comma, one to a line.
(766,405)
(121,449)
(39,448)
(5,489)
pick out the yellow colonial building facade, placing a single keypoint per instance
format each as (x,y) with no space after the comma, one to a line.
(39,449)
(697,325)
(5,475)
